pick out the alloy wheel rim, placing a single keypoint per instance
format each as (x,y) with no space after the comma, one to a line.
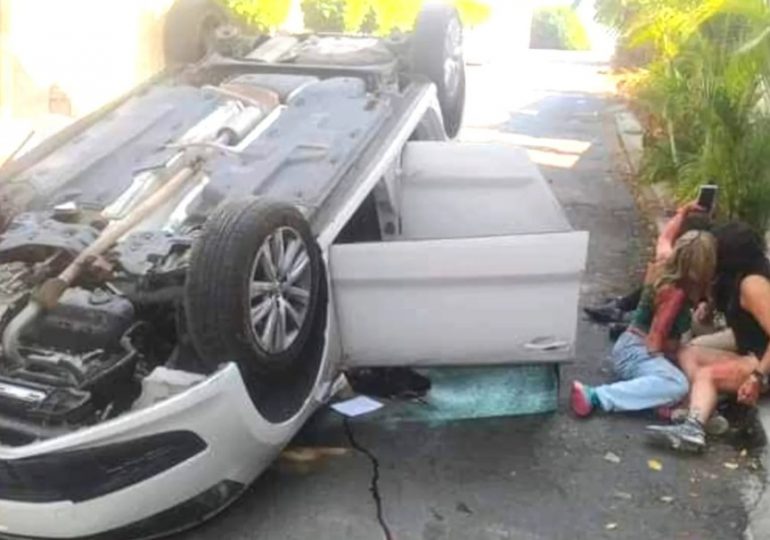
(279,290)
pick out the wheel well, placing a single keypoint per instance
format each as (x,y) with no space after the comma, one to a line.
(280,396)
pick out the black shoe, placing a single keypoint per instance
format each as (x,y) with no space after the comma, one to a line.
(403,383)
(606,313)
(616,330)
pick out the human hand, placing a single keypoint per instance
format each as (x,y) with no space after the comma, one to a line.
(691,206)
(748,392)
(703,313)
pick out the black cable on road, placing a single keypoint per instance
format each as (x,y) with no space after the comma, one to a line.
(374,487)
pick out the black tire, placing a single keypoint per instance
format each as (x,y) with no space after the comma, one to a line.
(189,30)
(218,291)
(436,45)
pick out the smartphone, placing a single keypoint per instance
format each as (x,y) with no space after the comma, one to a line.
(707,197)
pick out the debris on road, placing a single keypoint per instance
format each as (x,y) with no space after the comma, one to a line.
(730,465)
(304,460)
(611,526)
(655,465)
(612,458)
(623,495)
(463,508)
(305,454)
(667,499)
(357,406)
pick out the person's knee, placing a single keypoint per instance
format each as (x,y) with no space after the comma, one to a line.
(676,382)
(620,350)
(704,376)
(680,383)
(705,373)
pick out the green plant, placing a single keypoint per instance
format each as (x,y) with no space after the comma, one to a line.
(705,92)
(616,14)
(646,27)
(260,14)
(324,15)
(558,28)
(367,16)
(379,16)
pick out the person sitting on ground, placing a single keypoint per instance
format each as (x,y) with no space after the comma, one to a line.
(641,355)
(689,217)
(742,294)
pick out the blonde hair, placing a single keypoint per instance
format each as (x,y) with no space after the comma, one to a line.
(691,266)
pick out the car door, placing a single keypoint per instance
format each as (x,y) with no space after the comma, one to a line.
(485,269)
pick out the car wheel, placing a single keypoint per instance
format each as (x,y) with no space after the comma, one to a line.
(189,30)
(251,293)
(437,53)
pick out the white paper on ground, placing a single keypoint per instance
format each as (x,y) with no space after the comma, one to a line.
(357,406)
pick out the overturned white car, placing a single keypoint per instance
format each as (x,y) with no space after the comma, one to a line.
(185,274)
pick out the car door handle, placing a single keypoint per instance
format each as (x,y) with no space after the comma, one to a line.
(546,343)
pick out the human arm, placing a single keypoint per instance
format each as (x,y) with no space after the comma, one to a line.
(755,298)
(671,230)
(669,302)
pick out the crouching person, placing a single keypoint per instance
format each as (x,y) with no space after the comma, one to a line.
(648,379)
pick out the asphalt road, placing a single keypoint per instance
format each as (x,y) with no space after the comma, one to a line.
(538,477)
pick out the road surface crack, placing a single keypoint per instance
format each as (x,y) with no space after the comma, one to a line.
(374,486)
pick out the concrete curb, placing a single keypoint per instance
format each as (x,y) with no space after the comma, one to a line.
(758,527)
(656,199)
(632,136)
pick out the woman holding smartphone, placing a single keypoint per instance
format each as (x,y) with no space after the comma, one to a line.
(690,217)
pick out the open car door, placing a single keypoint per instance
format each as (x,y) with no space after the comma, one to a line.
(486,268)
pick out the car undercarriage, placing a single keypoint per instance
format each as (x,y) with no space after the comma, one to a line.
(140,185)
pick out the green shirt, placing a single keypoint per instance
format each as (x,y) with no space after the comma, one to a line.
(645,313)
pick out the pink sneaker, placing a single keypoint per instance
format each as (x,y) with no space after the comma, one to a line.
(580,401)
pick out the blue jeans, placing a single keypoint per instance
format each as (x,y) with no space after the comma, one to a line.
(647,380)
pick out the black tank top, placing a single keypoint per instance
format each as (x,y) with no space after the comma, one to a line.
(750,337)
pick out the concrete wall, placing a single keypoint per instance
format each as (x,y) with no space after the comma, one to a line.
(91,50)
(60,59)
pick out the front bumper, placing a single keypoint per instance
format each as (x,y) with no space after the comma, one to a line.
(221,444)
